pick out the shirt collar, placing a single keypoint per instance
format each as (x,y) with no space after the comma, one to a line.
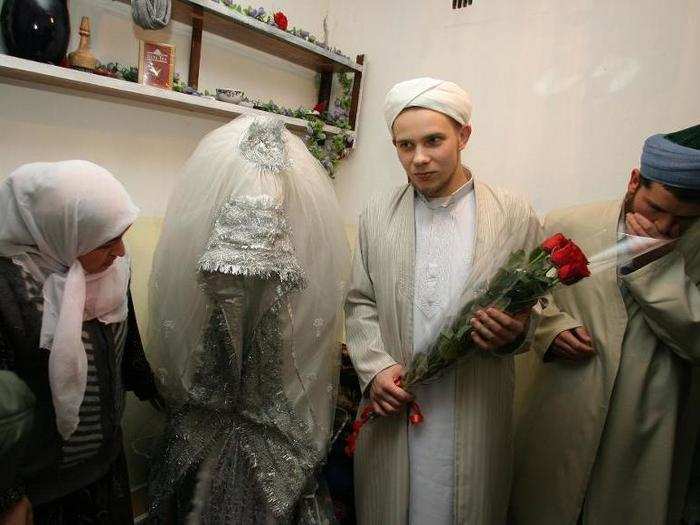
(450,200)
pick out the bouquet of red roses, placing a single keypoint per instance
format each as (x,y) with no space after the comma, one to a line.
(516,286)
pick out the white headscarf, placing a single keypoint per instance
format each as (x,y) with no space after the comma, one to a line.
(438,95)
(52,213)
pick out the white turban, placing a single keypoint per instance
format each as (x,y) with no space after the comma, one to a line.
(438,95)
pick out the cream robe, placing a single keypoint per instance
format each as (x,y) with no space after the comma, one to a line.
(380,334)
(611,437)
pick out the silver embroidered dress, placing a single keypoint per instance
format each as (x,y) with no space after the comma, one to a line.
(247,285)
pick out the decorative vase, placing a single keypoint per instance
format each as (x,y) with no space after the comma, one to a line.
(36,29)
(82,57)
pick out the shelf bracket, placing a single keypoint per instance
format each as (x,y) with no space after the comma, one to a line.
(196,46)
(356,94)
(324,90)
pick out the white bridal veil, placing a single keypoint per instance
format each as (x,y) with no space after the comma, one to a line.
(256,164)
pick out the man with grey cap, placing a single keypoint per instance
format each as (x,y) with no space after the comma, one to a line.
(417,246)
(609,421)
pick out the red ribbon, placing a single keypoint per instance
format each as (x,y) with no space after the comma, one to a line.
(351,441)
(415,416)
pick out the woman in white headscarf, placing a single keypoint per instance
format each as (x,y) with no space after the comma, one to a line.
(246,294)
(68,332)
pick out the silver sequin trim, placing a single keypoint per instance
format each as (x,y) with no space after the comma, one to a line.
(251,237)
(263,144)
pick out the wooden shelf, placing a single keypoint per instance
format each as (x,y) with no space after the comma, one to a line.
(220,20)
(49,75)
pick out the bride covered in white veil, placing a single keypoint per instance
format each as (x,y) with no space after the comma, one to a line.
(245,298)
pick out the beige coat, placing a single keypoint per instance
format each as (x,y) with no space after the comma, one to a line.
(601,435)
(380,334)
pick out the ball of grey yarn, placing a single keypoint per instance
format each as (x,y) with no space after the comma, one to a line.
(151,14)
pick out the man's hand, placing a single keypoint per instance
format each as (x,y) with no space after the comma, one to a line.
(572,345)
(387,398)
(495,329)
(637,224)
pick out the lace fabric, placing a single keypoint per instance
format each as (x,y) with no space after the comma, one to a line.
(251,237)
(263,144)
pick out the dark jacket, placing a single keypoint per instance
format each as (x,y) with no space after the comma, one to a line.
(45,465)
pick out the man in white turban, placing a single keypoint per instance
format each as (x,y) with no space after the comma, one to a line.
(417,246)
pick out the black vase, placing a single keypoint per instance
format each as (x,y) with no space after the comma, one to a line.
(36,29)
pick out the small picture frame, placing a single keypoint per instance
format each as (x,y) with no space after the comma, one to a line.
(156,64)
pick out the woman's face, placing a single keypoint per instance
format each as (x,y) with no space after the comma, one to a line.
(99,259)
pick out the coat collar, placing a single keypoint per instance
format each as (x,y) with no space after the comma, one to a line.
(404,213)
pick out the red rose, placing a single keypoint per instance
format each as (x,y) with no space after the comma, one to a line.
(281,20)
(568,254)
(573,273)
(320,107)
(571,262)
(555,242)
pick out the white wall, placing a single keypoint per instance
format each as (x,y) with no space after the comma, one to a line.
(564,92)
(142,145)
